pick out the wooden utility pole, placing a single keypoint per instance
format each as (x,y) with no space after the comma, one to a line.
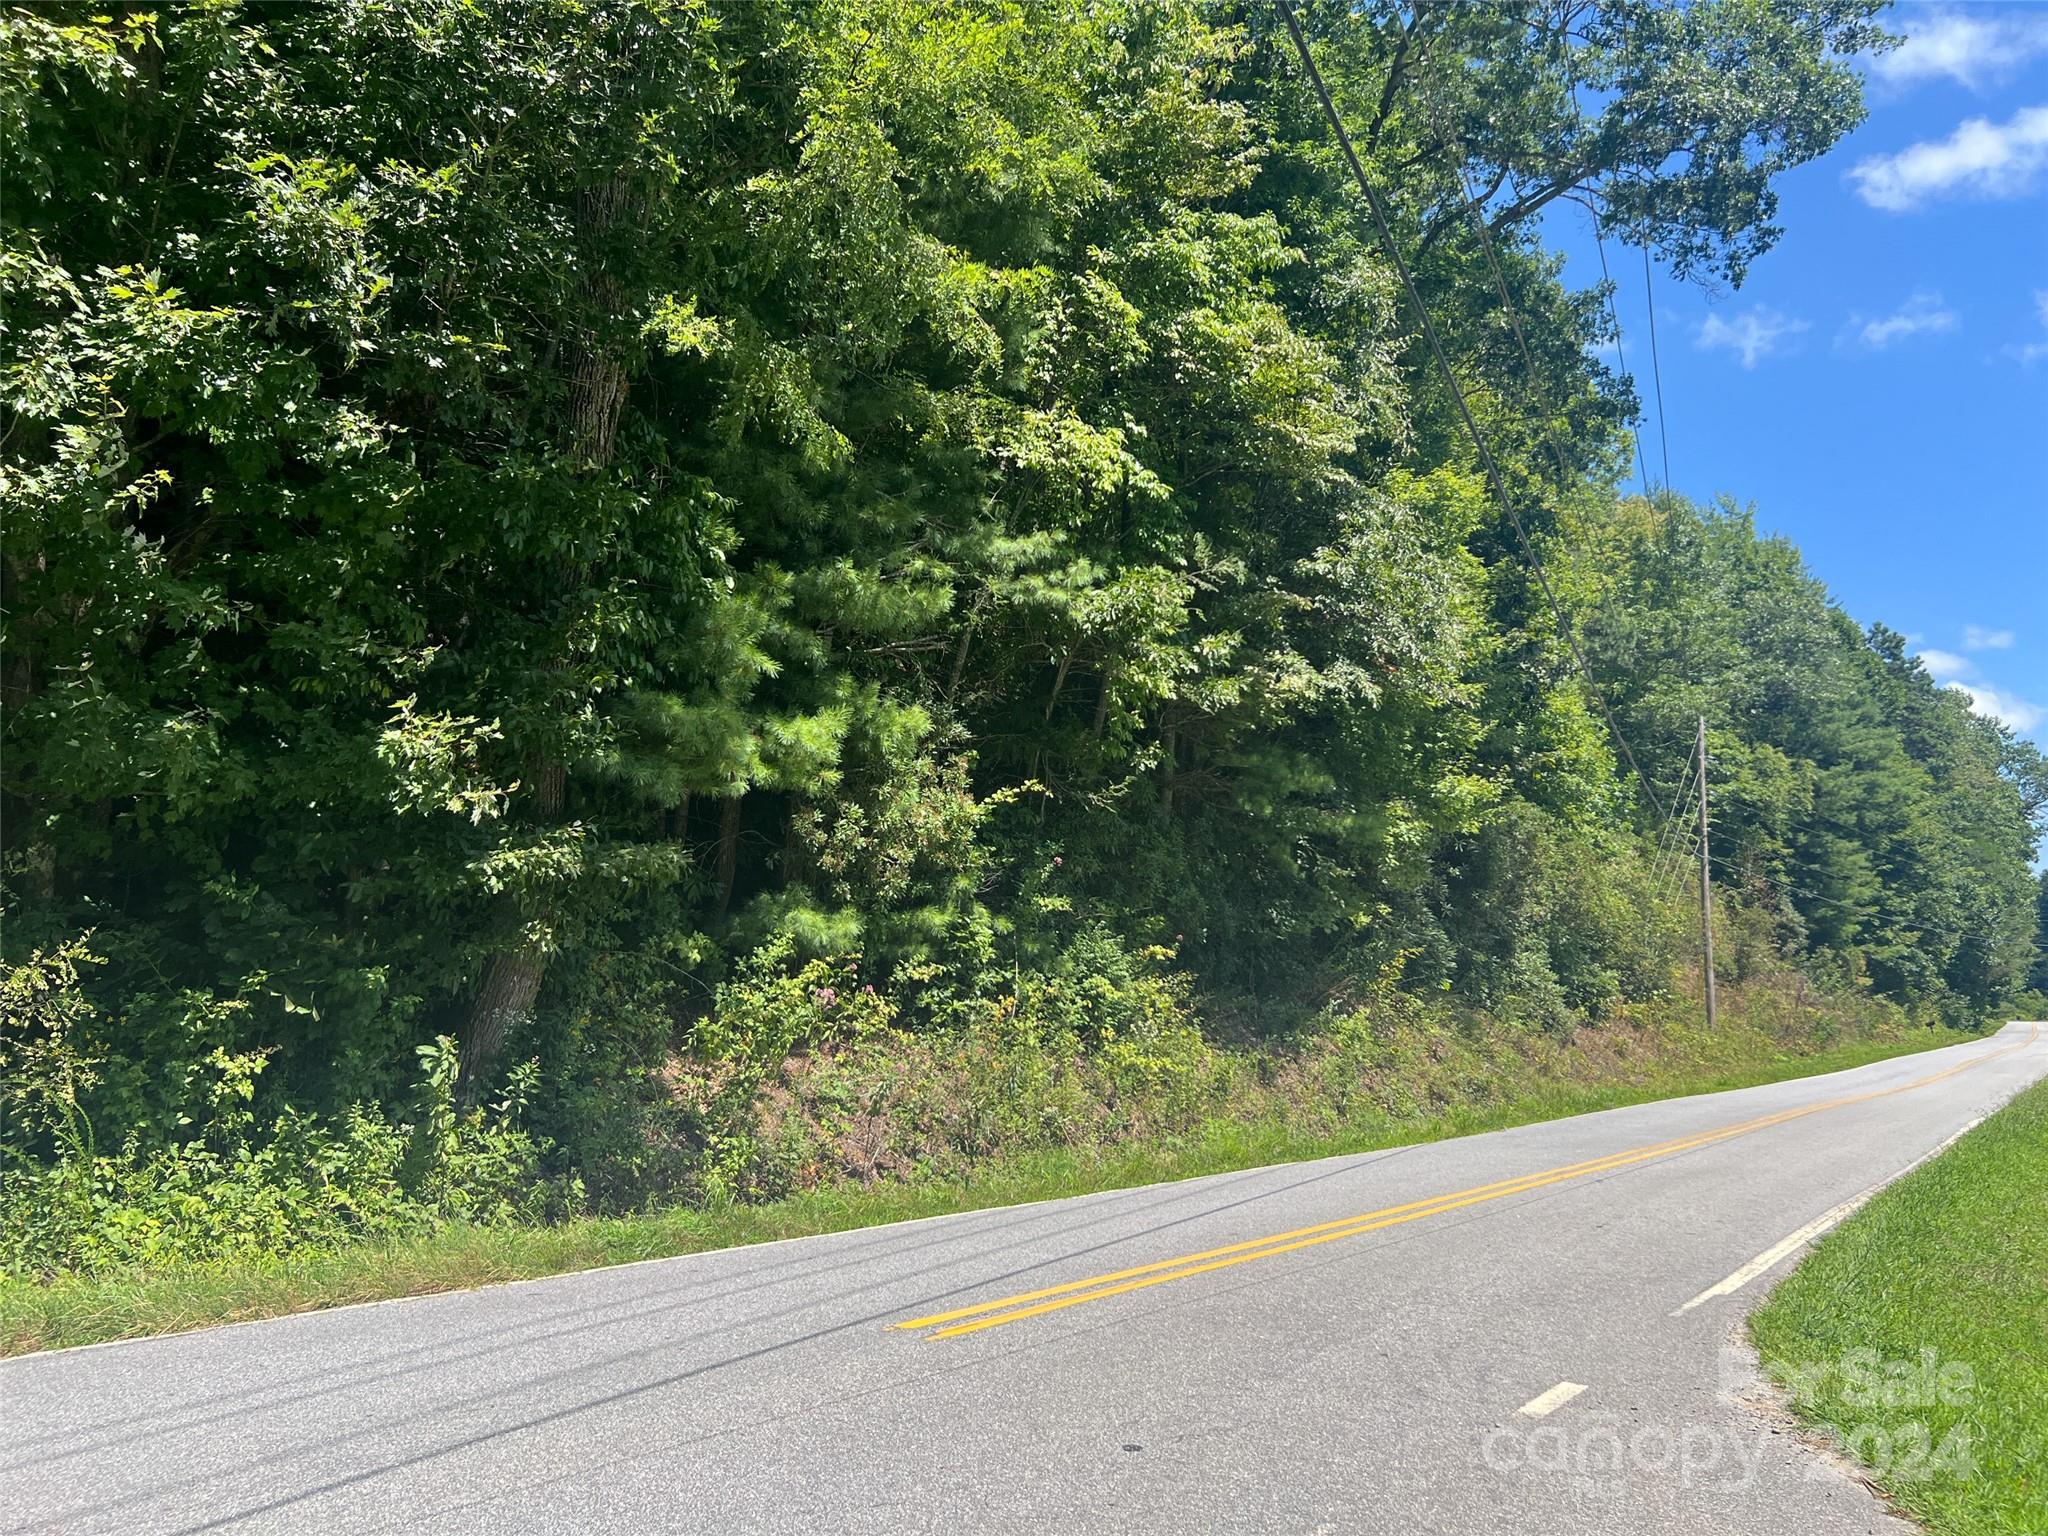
(1706,878)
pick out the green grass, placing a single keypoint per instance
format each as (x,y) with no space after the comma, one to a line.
(1935,1296)
(85,1309)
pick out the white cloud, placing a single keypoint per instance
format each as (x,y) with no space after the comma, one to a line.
(1755,333)
(2001,706)
(1981,159)
(1921,315)
(1945,666)
(2031,352)
(1977,638)
(1960,673)
(1972,48)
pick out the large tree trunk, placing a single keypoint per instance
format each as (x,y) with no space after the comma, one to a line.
(728,852)
(597,395)
(1102,701)
(960,660)
(512,977)
(510,986)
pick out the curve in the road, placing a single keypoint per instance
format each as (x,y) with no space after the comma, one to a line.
(1074,1293)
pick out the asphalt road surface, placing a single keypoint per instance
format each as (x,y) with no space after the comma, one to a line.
(1530,1332)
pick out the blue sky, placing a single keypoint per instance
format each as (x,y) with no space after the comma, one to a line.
(1878,387)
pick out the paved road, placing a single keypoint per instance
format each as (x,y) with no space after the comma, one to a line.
(1346,1345)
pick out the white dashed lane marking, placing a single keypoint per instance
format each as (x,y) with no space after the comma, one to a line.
(1549,1402)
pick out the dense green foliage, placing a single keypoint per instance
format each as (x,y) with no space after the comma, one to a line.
(1890,828)
(234,1191)
(606,531)
(807,1112)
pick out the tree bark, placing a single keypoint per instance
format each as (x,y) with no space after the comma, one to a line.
(1059,682)
(728,852)
(512,977)
(960,660)
(1102,702)
(597,397)
(796,853)
(511,983)
(1170,739)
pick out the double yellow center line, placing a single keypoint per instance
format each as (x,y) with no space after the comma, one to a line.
(1055,1298)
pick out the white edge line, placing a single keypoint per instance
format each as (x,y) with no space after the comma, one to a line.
(1545,1403)
(1773,1255)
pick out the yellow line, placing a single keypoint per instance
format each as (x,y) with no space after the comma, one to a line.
(1271,1251)
(1140,1277)
(1505,1187)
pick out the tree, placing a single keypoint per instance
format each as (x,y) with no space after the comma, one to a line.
(513,510)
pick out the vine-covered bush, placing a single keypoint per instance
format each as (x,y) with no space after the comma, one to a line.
(229,1187)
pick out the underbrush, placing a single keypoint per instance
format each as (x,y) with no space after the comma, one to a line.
(1032,1078)
(235,1188)
(802,1080)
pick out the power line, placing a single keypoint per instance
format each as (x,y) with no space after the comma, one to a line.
(1607,288)
(1656,371)
(1477,217)
(1691,839)
(1706,881)
(1863,913)
(1684,792)
(1620,357)
(1672,861)
(1533,402)
(1674,833)
(1673,880)
(1650,306)
(1428,326)
(1669,871)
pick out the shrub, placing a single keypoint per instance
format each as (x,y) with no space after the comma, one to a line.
(231,1188)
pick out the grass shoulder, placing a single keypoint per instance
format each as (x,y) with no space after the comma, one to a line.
(1916,1334)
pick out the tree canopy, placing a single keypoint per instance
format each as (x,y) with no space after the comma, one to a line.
(511,508)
